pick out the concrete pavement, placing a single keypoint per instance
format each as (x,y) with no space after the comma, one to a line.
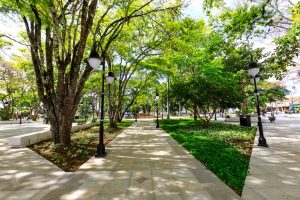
(275,171)
(142,163)
(146,163)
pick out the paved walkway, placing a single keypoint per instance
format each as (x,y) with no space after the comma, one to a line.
(275,171)
(142,163)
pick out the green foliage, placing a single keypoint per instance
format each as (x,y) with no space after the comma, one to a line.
(287,47)
(5,113)
(3,44)
(85,107)
(200,69)
(25,113)
(125,123)
(218,148)
(245,20)
(258,21)
(208,4)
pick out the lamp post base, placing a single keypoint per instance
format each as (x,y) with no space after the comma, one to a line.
(100,151)
(262,142)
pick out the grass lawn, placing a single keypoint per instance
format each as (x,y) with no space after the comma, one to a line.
(83,146)
(225,149)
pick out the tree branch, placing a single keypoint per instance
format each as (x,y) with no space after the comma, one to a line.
(10,38)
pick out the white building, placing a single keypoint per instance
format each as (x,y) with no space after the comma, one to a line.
(291,80)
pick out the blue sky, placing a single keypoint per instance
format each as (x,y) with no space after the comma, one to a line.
(194,9)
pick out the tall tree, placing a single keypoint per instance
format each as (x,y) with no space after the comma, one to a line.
(58,33)
(12,82)
(264,19)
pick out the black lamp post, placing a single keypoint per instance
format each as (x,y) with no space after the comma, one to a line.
(253,71)
(156,100)
(136,109)
(95,62)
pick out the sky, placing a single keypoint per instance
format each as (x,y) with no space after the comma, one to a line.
(194,9)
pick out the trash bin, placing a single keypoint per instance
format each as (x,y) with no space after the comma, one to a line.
(245,120)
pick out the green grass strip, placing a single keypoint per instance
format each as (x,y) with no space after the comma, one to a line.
(215,148)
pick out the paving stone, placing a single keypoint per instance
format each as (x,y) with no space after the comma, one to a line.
(5,194)
(141,163)
(163,195)
(140,195)
(22,194)
(116,186)
(275,171)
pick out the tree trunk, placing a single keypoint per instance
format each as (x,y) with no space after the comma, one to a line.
(205,124)
(113,123)
(61,126)
(195,111)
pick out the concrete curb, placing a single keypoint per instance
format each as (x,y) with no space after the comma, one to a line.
(36,137)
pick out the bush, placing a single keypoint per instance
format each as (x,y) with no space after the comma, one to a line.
(25,113)
(5,114)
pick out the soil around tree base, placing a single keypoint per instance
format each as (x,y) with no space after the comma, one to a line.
(83,146)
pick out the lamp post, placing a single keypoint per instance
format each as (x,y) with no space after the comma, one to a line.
(134,95)
(168,103)
(156,100)
(136,109)
(253,70)
(95,62)
(293,108)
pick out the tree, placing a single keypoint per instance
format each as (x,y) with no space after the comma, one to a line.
(130,59)
(203,81)
(59,33)
(3,44)
(30,94)
(272,92)
(210,88)
(136,44)
(11,80)
(261,19)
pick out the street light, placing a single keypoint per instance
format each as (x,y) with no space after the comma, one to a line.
(156,100)
(253,70)
(135,91)
(293,107)
(95,62)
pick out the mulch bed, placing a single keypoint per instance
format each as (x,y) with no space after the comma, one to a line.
(83,146)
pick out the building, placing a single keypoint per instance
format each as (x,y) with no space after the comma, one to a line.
(291,80)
